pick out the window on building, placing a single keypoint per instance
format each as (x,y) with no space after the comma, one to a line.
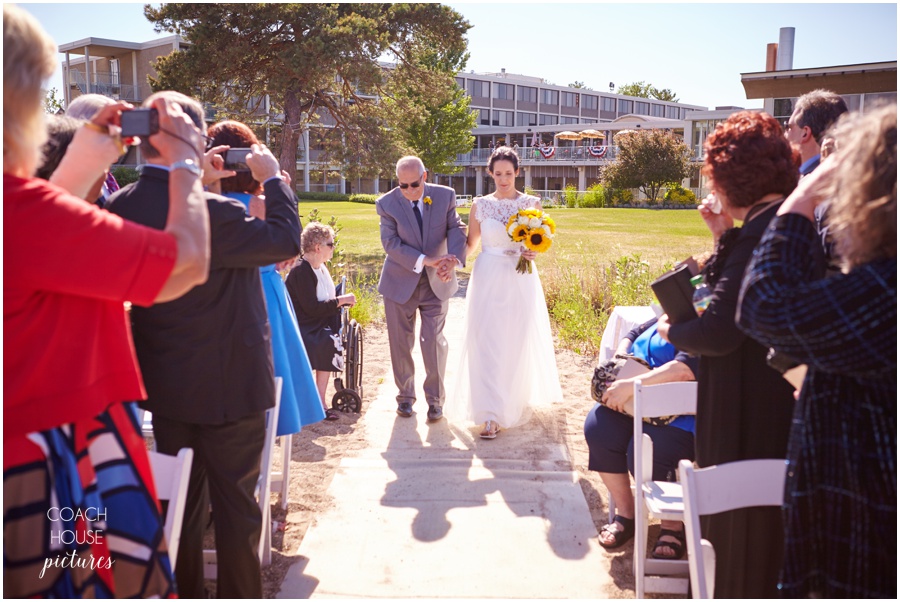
(658,110)
(504,91)
(527,94)
(549,120)
(479,89)
(584,120)
(641,108)
(526,118)
(504,118)
(461,82)
(484,117)
(589,102)
(568,120)
(783,108)
(626,106)
(550,97)
(608,104)
(672,112)
(569,99)
(853,100)
(872,100)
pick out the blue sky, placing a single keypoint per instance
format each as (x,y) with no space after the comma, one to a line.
(697,50)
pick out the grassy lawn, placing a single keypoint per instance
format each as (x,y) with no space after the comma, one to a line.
(600,258)
(586,236)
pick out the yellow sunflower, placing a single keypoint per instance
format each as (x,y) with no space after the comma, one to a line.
(520,232)
(550,224)
(537,240)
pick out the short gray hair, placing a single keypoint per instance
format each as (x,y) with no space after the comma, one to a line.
(410,162)
(87,105)
(191,107)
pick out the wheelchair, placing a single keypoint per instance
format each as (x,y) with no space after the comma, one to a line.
(349,390)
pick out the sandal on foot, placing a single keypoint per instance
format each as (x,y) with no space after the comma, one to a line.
(676,546)
(620,536)
(331,414)
(490,430)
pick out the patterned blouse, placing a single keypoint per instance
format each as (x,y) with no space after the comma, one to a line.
(841,488)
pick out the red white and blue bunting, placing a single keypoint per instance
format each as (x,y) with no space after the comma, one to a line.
(598,151)
(548,151)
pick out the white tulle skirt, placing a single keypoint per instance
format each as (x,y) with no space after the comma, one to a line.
(506,364)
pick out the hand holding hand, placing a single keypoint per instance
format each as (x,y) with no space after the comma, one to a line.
(262,163)
(214,165)
(717,223)
(618,394)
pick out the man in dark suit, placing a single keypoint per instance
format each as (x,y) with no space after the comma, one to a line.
(207,363)
(424,240)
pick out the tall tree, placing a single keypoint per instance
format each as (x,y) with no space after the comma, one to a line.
(642,89)
(648,160)
(317,63)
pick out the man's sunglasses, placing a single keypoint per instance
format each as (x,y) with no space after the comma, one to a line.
(413,184)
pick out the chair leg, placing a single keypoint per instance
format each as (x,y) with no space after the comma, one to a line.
(640,546)
(286,445)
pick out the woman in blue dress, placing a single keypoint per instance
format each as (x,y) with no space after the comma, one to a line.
(299,398)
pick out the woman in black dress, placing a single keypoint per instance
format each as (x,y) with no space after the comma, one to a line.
(317,306)
(744,407)
(841,489)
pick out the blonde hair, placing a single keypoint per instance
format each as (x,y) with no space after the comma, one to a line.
(29,58)
(863,213)
(315,233)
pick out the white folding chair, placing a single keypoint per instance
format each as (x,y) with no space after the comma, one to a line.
(172,475)
(721,488)
(657,499)
(146,420)
(281,479)
(263,492)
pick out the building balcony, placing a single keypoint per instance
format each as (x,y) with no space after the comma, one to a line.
(107,84)
(577,155)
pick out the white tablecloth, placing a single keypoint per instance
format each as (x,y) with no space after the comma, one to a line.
(622,319)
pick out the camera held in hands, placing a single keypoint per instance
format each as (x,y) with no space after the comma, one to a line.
(140,122)
(236,159)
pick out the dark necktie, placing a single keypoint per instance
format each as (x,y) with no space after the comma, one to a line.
(418,215)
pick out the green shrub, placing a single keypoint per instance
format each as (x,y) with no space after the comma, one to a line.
(679,195)
(125,175)
(620,196)
(570,196)
(595,197)
(322,196)
(368,308)
(369,199)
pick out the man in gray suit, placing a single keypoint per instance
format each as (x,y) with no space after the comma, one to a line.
(425,240)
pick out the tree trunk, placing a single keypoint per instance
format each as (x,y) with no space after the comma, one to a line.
(290,136)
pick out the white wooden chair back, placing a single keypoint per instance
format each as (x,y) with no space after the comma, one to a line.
(721,488)
(660,500)
(171,475)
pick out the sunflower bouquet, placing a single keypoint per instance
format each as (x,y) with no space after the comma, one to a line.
(534,229)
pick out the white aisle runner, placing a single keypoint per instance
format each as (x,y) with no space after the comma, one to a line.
(433,511)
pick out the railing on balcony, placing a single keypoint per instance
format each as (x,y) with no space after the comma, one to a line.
(107,84)
(531,155)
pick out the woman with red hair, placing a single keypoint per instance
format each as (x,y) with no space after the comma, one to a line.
(744,407)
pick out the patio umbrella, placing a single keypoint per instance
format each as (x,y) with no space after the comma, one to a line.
(592,134)
(567,135)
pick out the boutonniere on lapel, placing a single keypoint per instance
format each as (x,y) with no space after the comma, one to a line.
(427,200)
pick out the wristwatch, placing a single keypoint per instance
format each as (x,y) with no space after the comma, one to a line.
(188,164)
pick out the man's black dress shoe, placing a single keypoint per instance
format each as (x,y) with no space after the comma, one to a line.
(404,408)
(435,413)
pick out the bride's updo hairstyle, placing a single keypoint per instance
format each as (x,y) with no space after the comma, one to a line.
(503,153)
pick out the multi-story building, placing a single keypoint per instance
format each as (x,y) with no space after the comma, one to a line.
(539,117)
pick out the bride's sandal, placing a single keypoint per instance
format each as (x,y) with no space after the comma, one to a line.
(490,430)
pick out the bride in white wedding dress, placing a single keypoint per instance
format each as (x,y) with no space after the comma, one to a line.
(507,361)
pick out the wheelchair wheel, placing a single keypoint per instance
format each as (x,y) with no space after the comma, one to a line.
(353,360)
(347,400)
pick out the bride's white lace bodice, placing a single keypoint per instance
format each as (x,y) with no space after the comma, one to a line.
(493,215)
